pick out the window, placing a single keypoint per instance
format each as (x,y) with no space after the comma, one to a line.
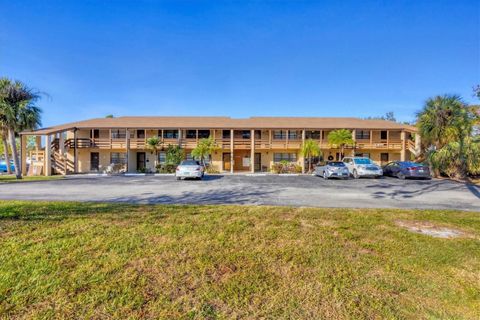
(141,134)
(294,134)
(191,134)
(202,134)
(384,157)
(291,157)
(226,134)
(118,157)
(245,134)
(362,134)
(162,157)
(279,134)
(170,134)
(383,135)
(364,155)
(118,134)
(312,135)
(258,134)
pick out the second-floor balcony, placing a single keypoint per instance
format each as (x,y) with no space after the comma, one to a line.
(262,140)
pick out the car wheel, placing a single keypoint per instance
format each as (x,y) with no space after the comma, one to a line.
(401,176)
(355,174)
(325,176)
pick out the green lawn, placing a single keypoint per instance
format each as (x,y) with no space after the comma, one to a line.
(12,178)
(71,260)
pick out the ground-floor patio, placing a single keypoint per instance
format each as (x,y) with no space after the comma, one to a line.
(98,160)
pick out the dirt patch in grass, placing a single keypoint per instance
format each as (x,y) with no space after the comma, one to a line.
(430,229)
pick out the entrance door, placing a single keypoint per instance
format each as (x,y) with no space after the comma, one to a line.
(141,160)
(227,161)
(258,162)
(94,161)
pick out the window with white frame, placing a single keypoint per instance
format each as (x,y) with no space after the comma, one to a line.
(162,157)
(362,134)
(279,134)
(294,134)
(118,157)
(118,134)
(170,134)
(290,157)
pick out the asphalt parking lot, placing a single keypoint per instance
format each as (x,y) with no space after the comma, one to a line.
(254,190)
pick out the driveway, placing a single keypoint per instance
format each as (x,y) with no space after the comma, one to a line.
(254,190)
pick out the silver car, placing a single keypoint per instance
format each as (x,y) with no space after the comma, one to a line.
(189,169)
(362,167)
(332,169)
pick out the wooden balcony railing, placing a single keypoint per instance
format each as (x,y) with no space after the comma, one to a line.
(239,143)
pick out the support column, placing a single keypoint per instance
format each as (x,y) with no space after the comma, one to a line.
(48,156)
(231,152)
(38,142)
(179,137)
(303,156)
(403,152)
(75,151)
(252,151)
(354,138)
(61,143)
(23,155)
(127,146)
(388,139)
(418,144)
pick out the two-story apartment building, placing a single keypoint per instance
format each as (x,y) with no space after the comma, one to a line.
(244,145)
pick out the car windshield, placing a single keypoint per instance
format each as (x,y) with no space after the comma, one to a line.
(362,161)
(335,164)
(189,163)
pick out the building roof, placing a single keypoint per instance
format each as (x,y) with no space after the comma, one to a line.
(155,122)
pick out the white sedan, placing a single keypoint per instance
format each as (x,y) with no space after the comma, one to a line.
(189,169)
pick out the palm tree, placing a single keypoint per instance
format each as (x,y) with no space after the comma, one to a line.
(154,144)
(204,149)
(18,112)
(310,149)
(436,121)
(3,134)
(3,129)
(445,124)
(340,138)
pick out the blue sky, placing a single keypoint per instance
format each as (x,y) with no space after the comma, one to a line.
(240,58)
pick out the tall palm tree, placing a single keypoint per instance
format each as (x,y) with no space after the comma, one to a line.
(3,129)
(436,122)
(154,144)
(3,134)
(442,121)
(310,149)
(340,138)
(18,112)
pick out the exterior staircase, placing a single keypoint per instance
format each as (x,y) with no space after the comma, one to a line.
(412,148)
(60,163)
